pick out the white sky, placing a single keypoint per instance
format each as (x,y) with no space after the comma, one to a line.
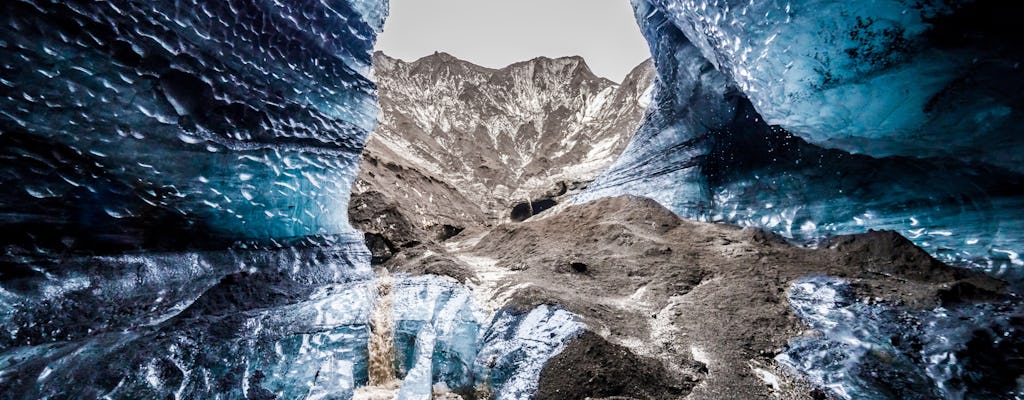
(496,33)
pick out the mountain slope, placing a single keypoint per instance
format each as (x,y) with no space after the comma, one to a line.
(458,144)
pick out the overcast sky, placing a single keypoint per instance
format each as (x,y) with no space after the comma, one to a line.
(495,33)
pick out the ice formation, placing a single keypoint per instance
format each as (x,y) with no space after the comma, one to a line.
(709,153)
(176,179)
(882,77)
(878,351)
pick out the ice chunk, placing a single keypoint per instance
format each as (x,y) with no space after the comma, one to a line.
(880,351)
(312,348)
(885,77)
(516,347)
(447,308)
(418,382)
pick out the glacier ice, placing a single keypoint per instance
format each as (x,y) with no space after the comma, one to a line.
(705,152)
(435,307)
(881,352)
(176,177)
(418,382)
(313,347)
(142,140)
(216,120)
(881,77)
(517,346)
(440,340)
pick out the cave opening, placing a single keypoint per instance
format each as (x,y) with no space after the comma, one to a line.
(177,183)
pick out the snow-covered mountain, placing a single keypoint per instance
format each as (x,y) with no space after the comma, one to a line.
(468,142)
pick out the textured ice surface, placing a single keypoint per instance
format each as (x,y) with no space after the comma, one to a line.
(142,139)
(313,348)
(175,182)
(439,340)
(442,311)
(878,351)
(215,120)
(883,77)
(705,152)
(231,343)
(418,382)
(517,346)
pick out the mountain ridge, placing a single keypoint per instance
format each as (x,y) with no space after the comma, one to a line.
(441,57)
(459,144)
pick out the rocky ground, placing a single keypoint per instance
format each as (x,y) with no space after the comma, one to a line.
(468,177)
(675,308)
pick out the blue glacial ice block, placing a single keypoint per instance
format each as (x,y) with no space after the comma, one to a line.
(882,77)
(315,348)
(178,124)
(418,383)
(516,347)
(878,351)
(428,307)
(705,152)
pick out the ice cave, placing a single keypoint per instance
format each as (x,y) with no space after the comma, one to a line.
(791,200)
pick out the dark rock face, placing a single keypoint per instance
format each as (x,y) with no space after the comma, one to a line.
(381,249)
(521,212)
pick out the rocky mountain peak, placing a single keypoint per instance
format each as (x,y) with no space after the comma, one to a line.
(494,137)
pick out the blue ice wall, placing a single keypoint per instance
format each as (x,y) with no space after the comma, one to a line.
(214,120)
(881,77)
(706,151)
(878,351)
(174,208)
